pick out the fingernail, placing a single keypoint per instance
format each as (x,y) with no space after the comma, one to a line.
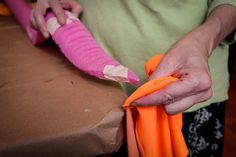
(133,104)
(46,34)
(62,20)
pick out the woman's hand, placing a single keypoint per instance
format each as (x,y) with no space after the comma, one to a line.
(57,6)
(187,59)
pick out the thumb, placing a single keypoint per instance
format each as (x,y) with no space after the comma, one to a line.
(167,67)
(76,9)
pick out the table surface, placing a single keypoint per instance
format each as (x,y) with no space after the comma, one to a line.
(50,108)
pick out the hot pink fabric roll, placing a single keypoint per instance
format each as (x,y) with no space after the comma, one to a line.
(76,43)
(22,10)
(84,52)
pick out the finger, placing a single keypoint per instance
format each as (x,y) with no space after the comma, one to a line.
(40,21)
(185,103)
(155,98)
(167,67)
(72,5)
(186,86)
(59,12)
(66,6)
(32,20)
(75,8)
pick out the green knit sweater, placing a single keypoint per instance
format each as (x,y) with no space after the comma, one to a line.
(132,31)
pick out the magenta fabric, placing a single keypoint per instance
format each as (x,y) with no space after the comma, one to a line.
(78,45)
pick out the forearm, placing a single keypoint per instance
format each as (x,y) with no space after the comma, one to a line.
(220,23)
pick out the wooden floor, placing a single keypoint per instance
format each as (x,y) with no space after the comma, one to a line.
(230,121)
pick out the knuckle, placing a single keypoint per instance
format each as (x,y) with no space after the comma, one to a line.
(192,82)
(60,14)
(52,1)
(201,82)
(205,82)
(77,8)
(167,98)
(76,5)
(58,10)
(207,95)
(35,12)
(54,4)
(32,15)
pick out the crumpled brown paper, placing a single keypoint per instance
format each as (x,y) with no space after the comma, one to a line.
(49,108)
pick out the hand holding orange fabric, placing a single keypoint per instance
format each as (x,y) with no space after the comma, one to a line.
(188,60)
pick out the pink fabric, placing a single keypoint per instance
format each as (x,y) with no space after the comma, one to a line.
(76,43)
(83,51)
(22,10)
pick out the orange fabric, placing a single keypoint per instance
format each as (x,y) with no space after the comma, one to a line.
(4,10)
(150,131)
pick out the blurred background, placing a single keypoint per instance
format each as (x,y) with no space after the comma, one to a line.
(230,121)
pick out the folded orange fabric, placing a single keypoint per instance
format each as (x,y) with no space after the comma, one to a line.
(150,131)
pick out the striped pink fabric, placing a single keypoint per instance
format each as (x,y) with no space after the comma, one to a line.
(78,45)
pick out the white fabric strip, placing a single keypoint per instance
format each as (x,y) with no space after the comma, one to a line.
(116,73)
(71,16)
(52,23)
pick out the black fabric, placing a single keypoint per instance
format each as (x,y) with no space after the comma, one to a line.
(203,131)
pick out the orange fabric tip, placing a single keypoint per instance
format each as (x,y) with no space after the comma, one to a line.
(4,10)
(150,131)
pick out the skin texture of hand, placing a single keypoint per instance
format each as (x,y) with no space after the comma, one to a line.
(57,6)
(187,59)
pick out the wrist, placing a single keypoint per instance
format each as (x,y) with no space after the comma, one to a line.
(218,25)
(208,35)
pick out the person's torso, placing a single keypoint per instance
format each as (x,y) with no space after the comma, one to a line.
(133,31)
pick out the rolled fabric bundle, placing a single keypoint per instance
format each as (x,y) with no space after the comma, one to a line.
(76,43)
(80,48)
(22,10)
